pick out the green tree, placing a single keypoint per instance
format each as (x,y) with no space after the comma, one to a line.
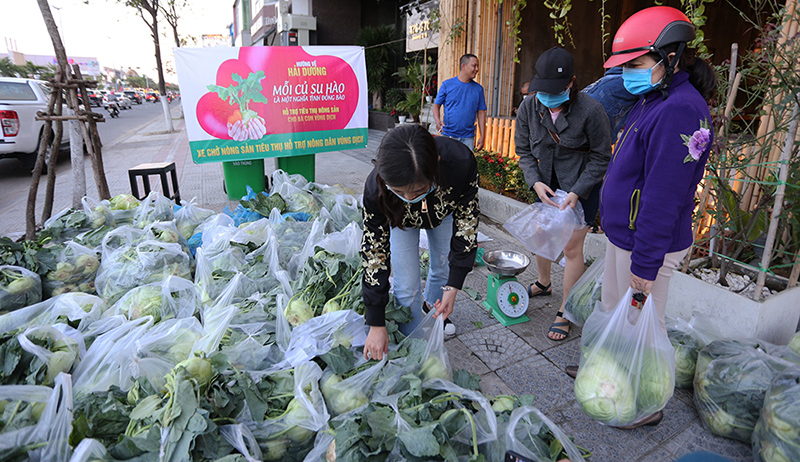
(379,42)
(9,69)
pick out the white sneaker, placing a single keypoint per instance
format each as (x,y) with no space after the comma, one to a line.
(449,327)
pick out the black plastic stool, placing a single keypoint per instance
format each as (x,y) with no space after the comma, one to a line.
(159,168)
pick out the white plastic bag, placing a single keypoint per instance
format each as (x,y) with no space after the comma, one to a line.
(188,217)
(71,307)
(528,420)
(19,287)
(627,367)
(155,207)
(585,293)
(544,229)
(688,338)
(51,434)
(322,333)
(76,269)
(173,297)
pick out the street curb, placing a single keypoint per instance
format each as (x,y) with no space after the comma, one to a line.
(500,208)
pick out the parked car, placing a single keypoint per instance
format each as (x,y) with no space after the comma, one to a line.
(152,97)
(20,99)
(134,96)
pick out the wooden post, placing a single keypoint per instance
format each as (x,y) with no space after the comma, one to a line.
(776,210)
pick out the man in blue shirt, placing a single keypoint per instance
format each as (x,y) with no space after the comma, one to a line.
(463,101)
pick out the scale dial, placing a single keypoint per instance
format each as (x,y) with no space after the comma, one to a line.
(512,299)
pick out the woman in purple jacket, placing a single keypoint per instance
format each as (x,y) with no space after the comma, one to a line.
(647,198)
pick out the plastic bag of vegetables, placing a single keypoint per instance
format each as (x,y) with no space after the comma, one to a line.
(155,207)
(627,366)
(524,436)
(132,266)
(18,287)
(189,216)
(321,334)
(286,431)
(347,390)
(172,297)
(123,208)
(120,237)
(776,437)
(39,421)
(545,229)
(213,272)
(297,198)
(76,309)
(346,211)
(585,293)
(57,347)
(75,271)
(688,338)
(730,384)
(70,222)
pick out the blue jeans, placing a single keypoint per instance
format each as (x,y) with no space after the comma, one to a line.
(404,245)
(468,142)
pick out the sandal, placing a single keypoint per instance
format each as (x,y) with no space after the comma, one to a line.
(545,290)
(556,328)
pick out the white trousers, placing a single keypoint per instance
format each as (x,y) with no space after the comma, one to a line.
(617,278)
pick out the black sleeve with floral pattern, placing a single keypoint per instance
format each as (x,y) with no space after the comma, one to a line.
(375,257)
(464,244)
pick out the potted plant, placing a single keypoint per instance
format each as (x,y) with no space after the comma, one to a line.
(412,105)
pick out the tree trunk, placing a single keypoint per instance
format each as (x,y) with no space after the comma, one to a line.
(162,85)
(76,159)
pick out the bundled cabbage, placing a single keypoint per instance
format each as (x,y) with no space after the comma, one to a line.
(585,293)
(123,208)
(131,266)
(627,367)
(75,270)
(776,437)
(688,338)
(18,287)
(730,383)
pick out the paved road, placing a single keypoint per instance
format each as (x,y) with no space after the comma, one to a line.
(15,180)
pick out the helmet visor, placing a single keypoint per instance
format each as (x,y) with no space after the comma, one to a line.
(622,58)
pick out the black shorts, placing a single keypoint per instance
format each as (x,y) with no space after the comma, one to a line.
(591,205)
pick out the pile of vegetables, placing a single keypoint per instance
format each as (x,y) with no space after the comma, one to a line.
(242,353)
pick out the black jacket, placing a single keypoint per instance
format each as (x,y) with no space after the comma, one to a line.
(456,194)
(580,157)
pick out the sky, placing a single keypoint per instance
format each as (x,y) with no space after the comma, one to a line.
(106,29)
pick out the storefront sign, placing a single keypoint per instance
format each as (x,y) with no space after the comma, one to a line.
(258,102)
(420,27)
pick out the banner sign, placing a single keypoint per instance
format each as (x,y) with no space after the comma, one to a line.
(257,102)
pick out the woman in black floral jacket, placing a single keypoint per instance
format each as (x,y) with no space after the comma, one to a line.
(418,183)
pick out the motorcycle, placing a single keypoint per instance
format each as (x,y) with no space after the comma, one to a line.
(112,107)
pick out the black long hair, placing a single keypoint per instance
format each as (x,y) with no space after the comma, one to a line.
(701,75)
(407,155)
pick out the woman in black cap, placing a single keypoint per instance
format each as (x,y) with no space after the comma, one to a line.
(563,142)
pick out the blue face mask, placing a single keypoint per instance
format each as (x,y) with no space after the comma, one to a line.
(414,200)
(550,100)
(639,81)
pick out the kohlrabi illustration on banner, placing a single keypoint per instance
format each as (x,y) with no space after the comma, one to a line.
(257,102)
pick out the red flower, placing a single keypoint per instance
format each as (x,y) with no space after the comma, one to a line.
(497,174)
(491,161)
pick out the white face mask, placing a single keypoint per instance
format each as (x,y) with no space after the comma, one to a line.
(414,200)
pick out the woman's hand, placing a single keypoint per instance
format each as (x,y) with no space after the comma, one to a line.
(444,307)
(571,201)
(544,192)
(377,343)
(641,285)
